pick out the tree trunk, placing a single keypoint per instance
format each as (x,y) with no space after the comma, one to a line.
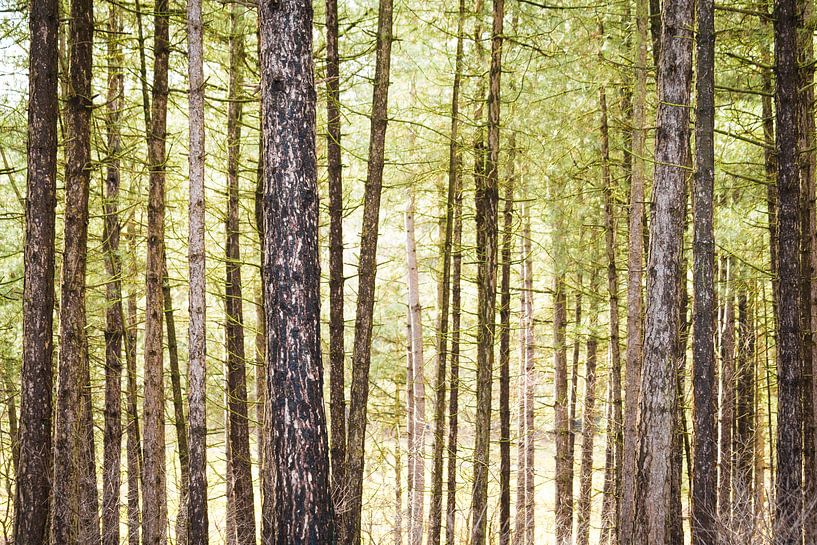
(625,513)
(744,444)
(34,473)
(337,402)
(659,378)
(436,506)
(564,484)
(154,493)
(302,509)
(705,473)
(417,384)
(727,401)
(239,430)
(486,201)
(134,440)
(196,490)
(114,322)
(788,487)
(73,520)
(588,424)
(367,271)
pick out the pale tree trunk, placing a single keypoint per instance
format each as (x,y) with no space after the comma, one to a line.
(34,471)
(74,520)
(114,320)
(658,404)
(154,493)
(367,271)
(486,201)
(417,384)
(788,486)
(195,509)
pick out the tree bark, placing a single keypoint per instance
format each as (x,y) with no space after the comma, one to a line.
(337,355)
(705,472)
(134,440)
(114,320)
(788,485)
(659,378)
(744,444)
(727,401)
(196,490)
(154,493)
(302,509)
(74,521)
(486,201)
(240,478)
(564,485)
(367,271)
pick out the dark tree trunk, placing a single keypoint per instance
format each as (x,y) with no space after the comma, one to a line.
(705,472)
(486,201)
(727,399)
(303,512)
(134,440)
(74,521)
(367,270)
(34,472)
(337,356)
(744,445)
(194,491)
(240,478)
(114,320)
(154,493)
(436,507)
(659,380)
(788,486)
(563,477)
(505,362)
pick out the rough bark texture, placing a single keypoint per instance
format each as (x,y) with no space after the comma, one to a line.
(114,319)
(564,484)
(788,487)
(505,361)
(34,471)
(659,378)
(727,397)
(486,202)
(197,525)
(134,440)
(154,493)
(744,445)
(337,356)
(705,473)
(367,270)
(302,509)
(74,521)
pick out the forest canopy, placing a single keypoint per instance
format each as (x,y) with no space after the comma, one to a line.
(381,271)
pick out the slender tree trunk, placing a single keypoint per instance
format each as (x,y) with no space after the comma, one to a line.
(744,444)
(134,440)
(337,402)
(114,322)
(625,513)
(303,511)
(788,486)
(196,489)
(436,506)
(505,361)
(705,472)
(239,428)
(564,484)
(154,493)
(456,313)
(73,520)
(727,401)
(367,270)
(486,200)
(417,385)
(573,394)
(34,472)
(659,378)
(588,424)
